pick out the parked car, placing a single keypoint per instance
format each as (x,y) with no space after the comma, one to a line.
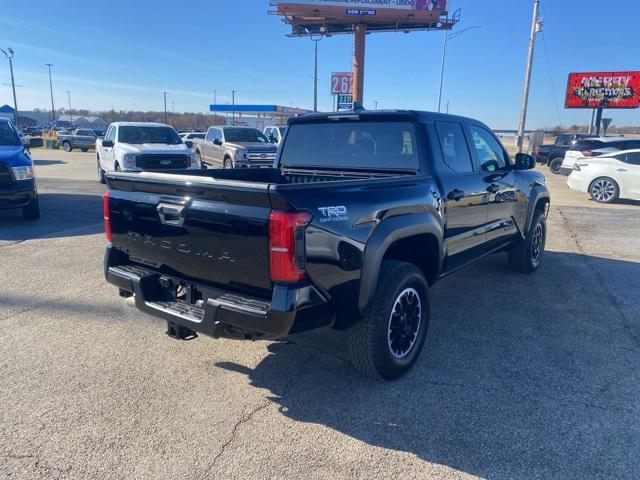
(609,177)
(233,147)
(553,155)
(275,134)
(362,214)
(17,177)
(82,138)
(192,135)
(596,147)
(130,146)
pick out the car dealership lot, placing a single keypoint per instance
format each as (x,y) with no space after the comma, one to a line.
(528,377)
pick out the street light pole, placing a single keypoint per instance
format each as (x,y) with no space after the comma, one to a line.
(9,54)
(69,99)
(536,26)
(215,97)
(165,107)
(448,36)
(53,108)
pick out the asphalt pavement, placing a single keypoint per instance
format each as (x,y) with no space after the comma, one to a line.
(522,377)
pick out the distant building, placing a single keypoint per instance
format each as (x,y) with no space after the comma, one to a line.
(31,119)
(80,121)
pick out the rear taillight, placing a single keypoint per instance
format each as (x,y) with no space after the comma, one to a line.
(576,167)
(587,153)
(286,245)
(107,215)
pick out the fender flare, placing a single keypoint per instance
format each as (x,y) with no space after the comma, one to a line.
(383,236)
(538,193)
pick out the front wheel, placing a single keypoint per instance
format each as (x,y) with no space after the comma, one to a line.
(32,211)
(388,339)
(526,255)
(66,146)
(604,190)
(555,165)
(101,177)
(228,163)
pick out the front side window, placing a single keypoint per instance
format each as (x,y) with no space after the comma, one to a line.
(8,135)
(352,144)
(454,147)
(111,134)
(491,155)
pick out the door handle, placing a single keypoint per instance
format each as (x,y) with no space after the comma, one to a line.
(456,195)
(493,188)
(621,169)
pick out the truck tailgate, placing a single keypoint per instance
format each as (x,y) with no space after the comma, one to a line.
(194,227)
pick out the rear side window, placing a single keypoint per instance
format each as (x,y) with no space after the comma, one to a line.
(582,145)
(454,147)
(362,145)
(625,144)
(633,158)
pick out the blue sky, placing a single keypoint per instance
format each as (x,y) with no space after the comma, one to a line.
(124,54)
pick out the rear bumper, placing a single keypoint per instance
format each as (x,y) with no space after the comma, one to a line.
(215,312)
(566,170)
(575,182)
(18,194)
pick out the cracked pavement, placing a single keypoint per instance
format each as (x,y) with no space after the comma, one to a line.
(521,377)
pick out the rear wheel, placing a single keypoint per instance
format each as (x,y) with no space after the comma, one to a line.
(84,149)
(388,339)
(526,255)
(555,165)
(604,190)
(66,146)
(32,211)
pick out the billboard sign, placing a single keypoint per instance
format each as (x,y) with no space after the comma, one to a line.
(341,83)
(603,90)
(372,9)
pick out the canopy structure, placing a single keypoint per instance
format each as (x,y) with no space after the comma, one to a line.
(279,113)
(359,17)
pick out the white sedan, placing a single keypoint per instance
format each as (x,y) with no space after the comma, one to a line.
(608,177)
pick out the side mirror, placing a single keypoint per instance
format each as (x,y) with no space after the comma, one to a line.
(188,143)
(217,142)
(107,143)
(524,161)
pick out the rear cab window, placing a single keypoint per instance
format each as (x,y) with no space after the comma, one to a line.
(352,145)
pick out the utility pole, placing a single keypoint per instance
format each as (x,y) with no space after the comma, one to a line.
(315,74)
(9,54)
(536,26)
(376,105)
(165,107)
(359,45)
(233,103)
(447,104)
(53,108)
(215,97)
(69,99)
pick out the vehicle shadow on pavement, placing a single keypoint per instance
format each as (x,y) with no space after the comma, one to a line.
(40,163)
(61,215)
(517,380)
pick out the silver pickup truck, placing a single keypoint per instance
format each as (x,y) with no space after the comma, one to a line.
(82,138)
(235,147)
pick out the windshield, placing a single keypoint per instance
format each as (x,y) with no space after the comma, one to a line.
(244,135)
(138,135)
(362,145)
(8,135)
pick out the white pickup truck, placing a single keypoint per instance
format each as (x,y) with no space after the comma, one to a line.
(129,146)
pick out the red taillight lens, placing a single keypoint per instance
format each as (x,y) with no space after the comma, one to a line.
(587,153)
(576,167)
(286,245)
(106,214)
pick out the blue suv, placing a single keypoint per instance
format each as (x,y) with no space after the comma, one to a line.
(17,178)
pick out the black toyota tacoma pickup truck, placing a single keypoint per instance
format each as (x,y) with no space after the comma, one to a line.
(361,213)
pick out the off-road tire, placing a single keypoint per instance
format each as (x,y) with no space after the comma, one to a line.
(527,254)
(369,338)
